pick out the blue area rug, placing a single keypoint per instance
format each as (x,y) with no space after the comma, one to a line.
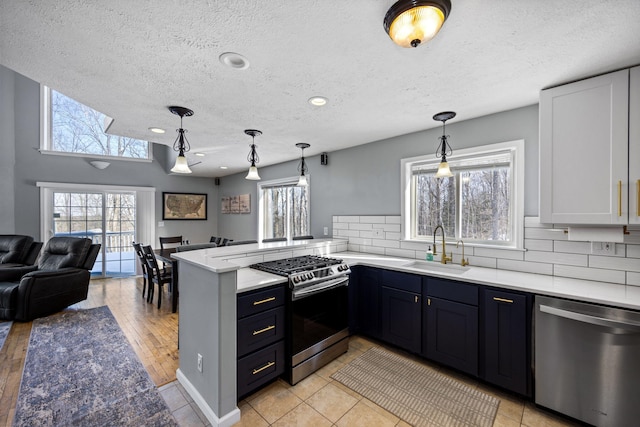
(80,370)
(5,327)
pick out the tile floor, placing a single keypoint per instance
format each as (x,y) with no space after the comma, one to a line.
(319,401)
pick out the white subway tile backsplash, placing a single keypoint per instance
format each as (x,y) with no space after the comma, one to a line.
(547,249)
(525,267)
(373,219)
(538,245)
(403,253)
(385,243)
(557,258)
(545,233)
(633,278)
(601,275)
(572,247)
(614,263)
(359,226)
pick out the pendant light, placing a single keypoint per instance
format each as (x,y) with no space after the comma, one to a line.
(444,149)
(302,166)
(410,23)
(253,155)
(181,145)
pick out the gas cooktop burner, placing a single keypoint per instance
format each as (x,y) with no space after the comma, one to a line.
(288,266)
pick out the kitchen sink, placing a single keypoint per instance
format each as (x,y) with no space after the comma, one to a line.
(436,266)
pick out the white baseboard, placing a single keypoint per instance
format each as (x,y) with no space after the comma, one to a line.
(227,420)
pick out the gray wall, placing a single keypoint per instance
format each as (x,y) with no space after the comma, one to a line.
(20,131)
(365,180)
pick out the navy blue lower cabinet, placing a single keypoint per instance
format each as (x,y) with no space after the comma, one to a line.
(402,318)
(368,302)
(451,336)
(506,340)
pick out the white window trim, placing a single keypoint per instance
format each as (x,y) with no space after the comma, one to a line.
(273,183)
(45,134)
(145,206)
(516,146)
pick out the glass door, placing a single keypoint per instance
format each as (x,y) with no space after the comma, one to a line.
(107,218)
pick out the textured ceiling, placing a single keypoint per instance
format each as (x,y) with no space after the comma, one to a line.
(132,59)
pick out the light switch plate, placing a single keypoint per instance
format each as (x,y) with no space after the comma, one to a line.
(603,248)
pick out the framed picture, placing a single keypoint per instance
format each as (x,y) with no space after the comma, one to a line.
(244,203)
(225,205)
(185,206)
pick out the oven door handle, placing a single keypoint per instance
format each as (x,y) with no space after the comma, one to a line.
(324,286)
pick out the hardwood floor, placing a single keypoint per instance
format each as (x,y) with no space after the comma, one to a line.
(153,334)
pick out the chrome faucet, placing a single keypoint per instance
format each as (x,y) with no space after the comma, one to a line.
(444,258)
(463,261)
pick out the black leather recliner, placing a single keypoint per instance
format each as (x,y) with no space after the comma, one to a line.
(18,250)
(61,278)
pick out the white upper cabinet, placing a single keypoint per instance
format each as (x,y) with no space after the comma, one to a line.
(584,150)
(634,146)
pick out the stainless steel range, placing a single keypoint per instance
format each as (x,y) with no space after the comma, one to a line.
(317,311)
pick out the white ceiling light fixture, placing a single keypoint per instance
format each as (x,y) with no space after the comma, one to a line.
(181,145)
(234,60)
(444,149)
(156,130)
(302,166)
(318,101)
(410,23)
(253,156)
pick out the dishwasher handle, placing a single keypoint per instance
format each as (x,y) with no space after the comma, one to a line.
(594,320)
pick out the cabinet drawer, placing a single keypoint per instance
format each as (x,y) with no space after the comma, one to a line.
(259,330)
(258,301)
(453,291)
(259,368)
(403,281)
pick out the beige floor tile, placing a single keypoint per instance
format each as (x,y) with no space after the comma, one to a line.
(303,416)
(332,402)
(502,421)
(173,397)
(362,415)
(346,389)
(380,410)
(360,343)
(510,406)
(308,386)
(350,355)
(403,424)
(249,417)
(274,402)
(329,369)
(537,417)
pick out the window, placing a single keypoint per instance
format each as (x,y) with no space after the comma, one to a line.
(73,128)
(481,204)
(284,209)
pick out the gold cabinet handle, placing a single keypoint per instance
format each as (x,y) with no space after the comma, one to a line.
(619,198)
(268,328)
(268,365)
(416,298)
(638,197)
(264,300)
(510,301)
(428,301)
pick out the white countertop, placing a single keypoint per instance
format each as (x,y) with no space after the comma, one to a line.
(249,279)
(624,296)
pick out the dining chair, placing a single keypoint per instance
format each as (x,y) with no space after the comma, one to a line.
(172,241)
(213,239)
(274,239)
(157,275)
(137,247)
(225,241)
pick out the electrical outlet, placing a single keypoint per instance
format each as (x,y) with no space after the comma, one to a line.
(603,248)
(160,223)
(199,362)
(326,231)
(377,232)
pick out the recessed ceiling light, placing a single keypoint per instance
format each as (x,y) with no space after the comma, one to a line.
(224,167)
(199,154)
(234,60)
(318,101)
(156,130)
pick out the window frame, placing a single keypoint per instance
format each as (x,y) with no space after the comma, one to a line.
(45,134)
(516,150)
(282,182)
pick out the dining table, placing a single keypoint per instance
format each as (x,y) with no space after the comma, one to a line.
(164,255)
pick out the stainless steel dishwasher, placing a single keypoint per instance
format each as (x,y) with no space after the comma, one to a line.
(587,361)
